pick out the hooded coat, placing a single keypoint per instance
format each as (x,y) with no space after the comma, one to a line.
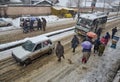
(59,50)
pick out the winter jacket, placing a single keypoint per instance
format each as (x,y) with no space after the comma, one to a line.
(96,44)
(101,48)
(114,30)
(59,50)
(107,36)
(103,41)
(88,39)
(75,42)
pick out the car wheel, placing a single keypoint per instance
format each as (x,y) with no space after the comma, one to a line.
(27,62)
(9,24)
(50,52)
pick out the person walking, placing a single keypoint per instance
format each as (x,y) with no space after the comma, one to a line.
(114,30)
(44,22)
(39,24)
(25,26)
(74,42)
(59,51)
(101,49)
(103,40)
(99,31)
(31,25)
(96,45)
(87,38)
(107,37)
(86,51)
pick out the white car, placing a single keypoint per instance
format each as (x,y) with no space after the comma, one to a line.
(4,23)
(32,49)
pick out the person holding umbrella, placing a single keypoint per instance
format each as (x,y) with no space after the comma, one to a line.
(90,36)
(86,45)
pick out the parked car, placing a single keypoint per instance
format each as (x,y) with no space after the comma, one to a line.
(4,23)
(32,49)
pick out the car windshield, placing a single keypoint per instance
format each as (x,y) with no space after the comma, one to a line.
(28,45)
(84,22)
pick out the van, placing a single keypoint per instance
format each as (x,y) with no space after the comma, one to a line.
(32,49)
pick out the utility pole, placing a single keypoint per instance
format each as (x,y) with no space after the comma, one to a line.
(78,9)
(85,3)
(104,6)
(118,9)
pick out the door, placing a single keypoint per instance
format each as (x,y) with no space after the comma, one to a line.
(37,51)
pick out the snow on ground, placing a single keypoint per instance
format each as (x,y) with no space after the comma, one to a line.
(107,67)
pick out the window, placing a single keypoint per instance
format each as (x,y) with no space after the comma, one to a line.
(28,45)
(45,43)
(38,47)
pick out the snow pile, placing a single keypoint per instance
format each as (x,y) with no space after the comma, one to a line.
(117,78)
(7,19)
(107,67)
(16,22)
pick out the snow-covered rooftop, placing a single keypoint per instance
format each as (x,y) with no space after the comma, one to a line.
(42,1)
(59,8)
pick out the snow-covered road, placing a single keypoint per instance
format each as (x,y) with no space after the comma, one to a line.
(7,53)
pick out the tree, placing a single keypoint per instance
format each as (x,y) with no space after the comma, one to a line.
(69,3)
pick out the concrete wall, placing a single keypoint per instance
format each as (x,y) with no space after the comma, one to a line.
(19,11)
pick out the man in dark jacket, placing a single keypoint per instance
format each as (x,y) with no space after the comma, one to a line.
(99,31)
(114,30)
(107,37)
(25,26)
(75,42)
(96,45)
(39,27)
(31,25)
(44,22)
(59,51)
